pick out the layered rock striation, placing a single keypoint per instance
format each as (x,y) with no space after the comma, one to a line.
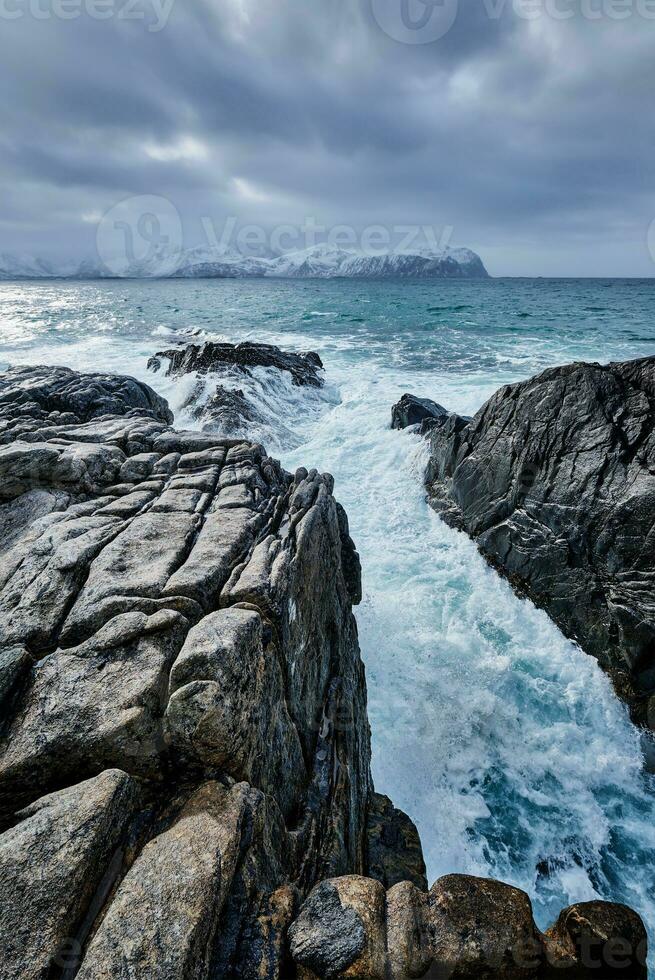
(185,789)
(555,480)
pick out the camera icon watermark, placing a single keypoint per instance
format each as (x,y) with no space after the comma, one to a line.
(140,236)
(415,21)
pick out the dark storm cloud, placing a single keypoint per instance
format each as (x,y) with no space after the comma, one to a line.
(532,138)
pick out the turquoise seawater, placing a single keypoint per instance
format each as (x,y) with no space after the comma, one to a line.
(501,738)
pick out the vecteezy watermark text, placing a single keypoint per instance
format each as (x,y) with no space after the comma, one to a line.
(426,21)
(373,240)
(143,234)
(153,14)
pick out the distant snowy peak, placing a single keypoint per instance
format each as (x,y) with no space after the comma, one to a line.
(215,262)
(328,262)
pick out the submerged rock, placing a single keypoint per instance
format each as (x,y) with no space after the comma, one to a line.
(184,752)
(245,390)
(554,479)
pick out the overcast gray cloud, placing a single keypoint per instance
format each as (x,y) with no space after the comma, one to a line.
(530,134)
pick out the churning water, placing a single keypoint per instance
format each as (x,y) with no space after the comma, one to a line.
(502,740)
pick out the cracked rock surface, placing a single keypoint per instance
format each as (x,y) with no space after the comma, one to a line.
(185,789)
(184,726)
(555,480)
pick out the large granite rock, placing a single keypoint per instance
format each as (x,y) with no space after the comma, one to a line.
(34,398)
(184,728)
(184,745)
(555,479)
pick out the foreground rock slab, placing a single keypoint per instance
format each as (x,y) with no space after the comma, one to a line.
(555,480)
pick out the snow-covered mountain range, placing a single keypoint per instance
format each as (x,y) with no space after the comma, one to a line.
(216,262)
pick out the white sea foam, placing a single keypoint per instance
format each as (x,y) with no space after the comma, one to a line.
(502,739)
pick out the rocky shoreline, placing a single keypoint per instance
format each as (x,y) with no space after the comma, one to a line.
(185,787)
(554,478)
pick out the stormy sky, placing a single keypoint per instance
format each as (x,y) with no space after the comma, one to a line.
(523,129)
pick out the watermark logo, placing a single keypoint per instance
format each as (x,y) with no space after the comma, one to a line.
(140,236)
(426,21)
(415,21)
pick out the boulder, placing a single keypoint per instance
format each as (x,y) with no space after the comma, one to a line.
(479,927)
(164,918)
(57,866)
(340,929)
(411,410)
(595,939)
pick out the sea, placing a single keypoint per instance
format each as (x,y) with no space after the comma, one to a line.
(504,742)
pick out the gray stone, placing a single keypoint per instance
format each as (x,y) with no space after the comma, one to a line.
(56,864)
(327,937)
(394,846)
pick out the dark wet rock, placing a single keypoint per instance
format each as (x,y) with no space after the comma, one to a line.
(304,368)
(411,410)
(394,846)
(554,480)
(32,398)
(594,939)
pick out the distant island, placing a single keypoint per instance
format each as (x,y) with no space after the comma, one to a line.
(217,262)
